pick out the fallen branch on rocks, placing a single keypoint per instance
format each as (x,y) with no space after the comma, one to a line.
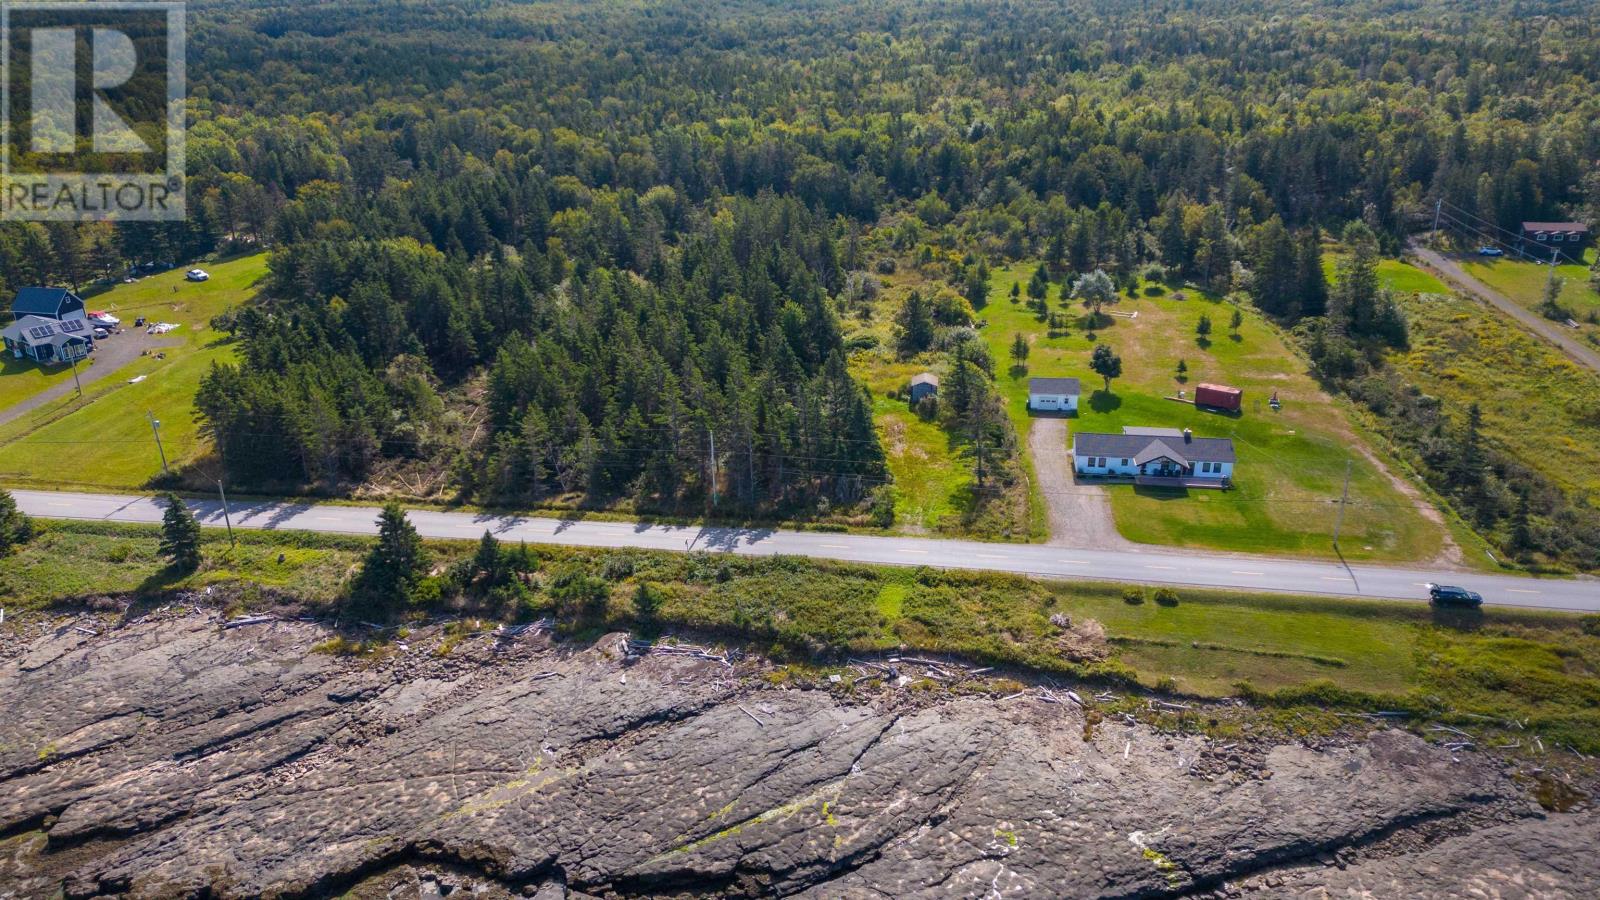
(642,647)
(751,715)
(535,627)
(242,621)
(83,630)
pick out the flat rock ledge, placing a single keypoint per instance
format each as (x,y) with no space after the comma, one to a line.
(172,757)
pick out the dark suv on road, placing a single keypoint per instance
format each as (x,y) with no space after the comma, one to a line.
(1445,595)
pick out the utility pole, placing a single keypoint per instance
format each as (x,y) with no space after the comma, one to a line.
(75,380)
(225,517)
(155,429)
(1433,237)
(713,463)
(1344,498)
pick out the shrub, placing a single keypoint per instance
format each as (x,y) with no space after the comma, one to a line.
(1591,625)
(1133,596)
(1166,597)
(15,528)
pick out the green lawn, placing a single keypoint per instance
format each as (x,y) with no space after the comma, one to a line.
(1524,282)
(107,442)
(1395,274)
(23,378)
(1291,463)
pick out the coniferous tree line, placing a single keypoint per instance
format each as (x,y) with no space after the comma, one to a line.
(633,232)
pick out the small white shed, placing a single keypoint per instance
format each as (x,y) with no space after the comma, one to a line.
(1053,394)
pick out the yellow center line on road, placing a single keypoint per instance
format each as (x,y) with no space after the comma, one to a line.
(1242,572)
(1163,568)
(1519,591)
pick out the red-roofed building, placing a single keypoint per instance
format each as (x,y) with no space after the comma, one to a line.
(1541,240)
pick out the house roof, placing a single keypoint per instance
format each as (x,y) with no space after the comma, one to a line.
(1144,447)
(37,330)
(925,378)
(1053,386)
(40,301)
(1555,226)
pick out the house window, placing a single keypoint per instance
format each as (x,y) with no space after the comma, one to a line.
(1124,461)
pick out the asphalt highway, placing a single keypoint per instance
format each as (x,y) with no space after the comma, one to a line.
(1163,566)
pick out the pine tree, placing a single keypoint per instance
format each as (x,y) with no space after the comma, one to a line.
(1313,292)
(1202,328)
(15,527)
(489,559)
(1039,285)
(1019,348)
(1234,321)
(915,324)
(393,567)
(180,536)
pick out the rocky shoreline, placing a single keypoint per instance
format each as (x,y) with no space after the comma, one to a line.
(171,756)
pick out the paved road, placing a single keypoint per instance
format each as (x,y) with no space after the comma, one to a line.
(1152,566)
(1575,349)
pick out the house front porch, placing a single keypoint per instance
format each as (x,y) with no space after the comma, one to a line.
(1182,481)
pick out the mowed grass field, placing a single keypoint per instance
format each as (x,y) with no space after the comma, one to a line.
(1524,282)
(107,441)
(1291,463)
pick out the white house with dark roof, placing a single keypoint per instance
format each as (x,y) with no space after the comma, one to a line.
(47,340)
(1053,394)
(1164,457)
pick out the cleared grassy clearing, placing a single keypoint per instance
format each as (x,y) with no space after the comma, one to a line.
(107,442)
(1291,463)
(1534,400)
(1524,282)
(934,485)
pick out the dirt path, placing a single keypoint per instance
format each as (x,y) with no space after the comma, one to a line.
(1550,331)
(1080,514)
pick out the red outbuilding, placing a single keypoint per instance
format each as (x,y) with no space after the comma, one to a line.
(1218,396)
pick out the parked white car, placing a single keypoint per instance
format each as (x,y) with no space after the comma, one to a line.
(196,275)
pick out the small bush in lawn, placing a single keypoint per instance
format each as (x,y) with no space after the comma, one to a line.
(1166,597)
(1133,596)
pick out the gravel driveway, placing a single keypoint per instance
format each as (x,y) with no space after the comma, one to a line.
(110,355)
(1080,514)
